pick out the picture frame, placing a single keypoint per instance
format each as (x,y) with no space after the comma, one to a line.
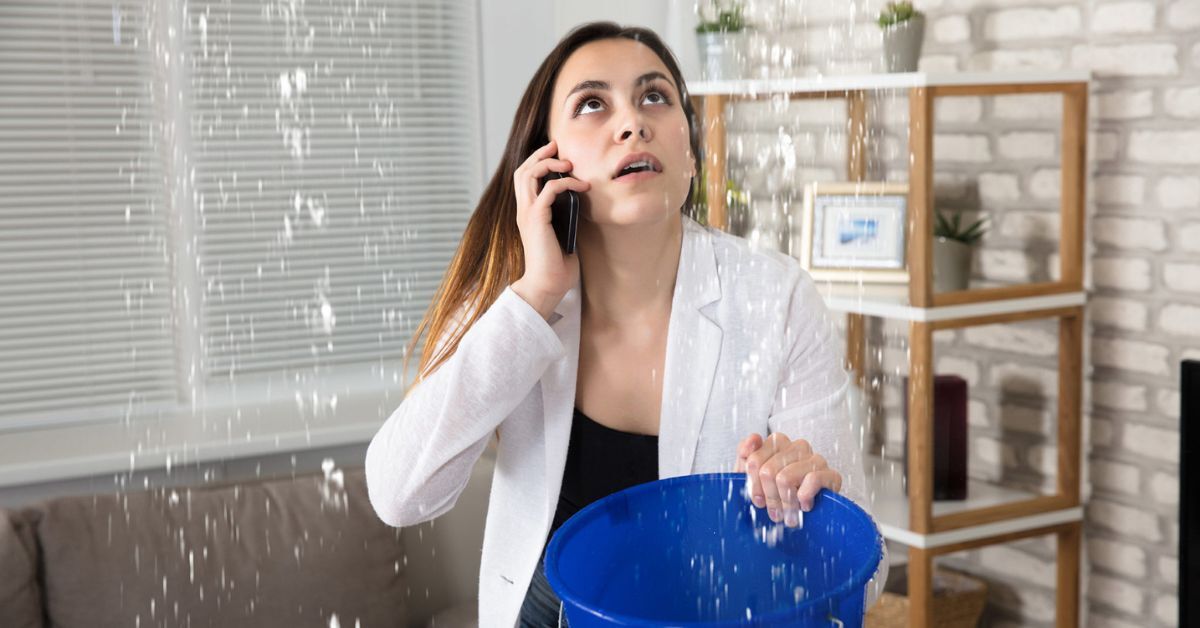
(856,232)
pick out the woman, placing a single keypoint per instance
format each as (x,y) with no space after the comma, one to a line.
(660,348)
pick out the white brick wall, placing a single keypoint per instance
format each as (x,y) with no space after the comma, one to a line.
(1120,189)
(1125,520)
(1165,147)
(1182,102)
(1180,319)
(1046,184)
(1026,24)
(1165,488)
(961,147)
(1166,609)
(952,29)
(1149,441)
(1127,314)
(1013,338)
(1128,60)
(1131,355)
(1123,17)
(1175,192)
(1023,145)
(1183,14)
(1118,594)
(1119,396)
(1147,234)
(1122,273)
(1182,277)
(1117,477)
(1125,105)
(999,188)
(1168,570)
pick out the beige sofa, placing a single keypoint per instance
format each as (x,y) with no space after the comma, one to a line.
(303,551)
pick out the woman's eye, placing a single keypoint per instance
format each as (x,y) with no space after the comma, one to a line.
(583,104)
(662,99)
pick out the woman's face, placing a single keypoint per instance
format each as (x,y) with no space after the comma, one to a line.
(614,98)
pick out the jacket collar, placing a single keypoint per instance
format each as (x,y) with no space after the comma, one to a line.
(693,349)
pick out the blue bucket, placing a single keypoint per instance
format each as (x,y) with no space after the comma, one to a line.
(693,551)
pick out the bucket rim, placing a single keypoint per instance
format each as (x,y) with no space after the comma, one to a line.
(859,578)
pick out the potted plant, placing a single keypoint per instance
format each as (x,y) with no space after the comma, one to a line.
(903,32)
(737,204)
(718,35)
(952,251)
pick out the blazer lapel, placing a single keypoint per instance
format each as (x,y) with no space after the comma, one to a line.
(693,349)
(558,392)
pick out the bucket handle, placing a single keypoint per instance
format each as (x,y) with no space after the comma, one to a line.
(835,621)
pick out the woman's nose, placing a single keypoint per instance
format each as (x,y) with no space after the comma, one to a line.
(632,124)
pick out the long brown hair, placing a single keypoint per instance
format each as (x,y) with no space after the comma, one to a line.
(490,255)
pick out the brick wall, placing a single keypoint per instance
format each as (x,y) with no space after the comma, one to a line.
(998,157)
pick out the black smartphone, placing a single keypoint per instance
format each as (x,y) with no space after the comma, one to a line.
(564,214)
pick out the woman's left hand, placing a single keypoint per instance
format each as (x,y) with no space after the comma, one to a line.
(784,475)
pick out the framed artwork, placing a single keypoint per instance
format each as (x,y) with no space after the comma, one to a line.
(855,232)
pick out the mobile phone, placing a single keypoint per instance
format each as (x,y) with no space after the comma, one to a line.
(564,214)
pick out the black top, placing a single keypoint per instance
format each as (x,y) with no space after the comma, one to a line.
(600,462)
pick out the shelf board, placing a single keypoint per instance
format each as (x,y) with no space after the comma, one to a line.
(890,509)
(894,80)
(891,301)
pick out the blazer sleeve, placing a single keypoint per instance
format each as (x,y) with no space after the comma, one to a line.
(810,402)
(419,461)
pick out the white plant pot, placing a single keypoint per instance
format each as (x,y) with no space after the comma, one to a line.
(902,44)
(721,55)
(951,265)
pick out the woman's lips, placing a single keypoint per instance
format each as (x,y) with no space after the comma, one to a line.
(634,177)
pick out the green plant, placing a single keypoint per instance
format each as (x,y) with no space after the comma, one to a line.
(725,20)
(897,12)
(734,197)
(952,229)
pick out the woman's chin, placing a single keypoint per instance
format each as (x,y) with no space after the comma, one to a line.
(632,214)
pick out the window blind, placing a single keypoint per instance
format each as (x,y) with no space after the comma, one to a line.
(85,321)
(329,155)
(335,147)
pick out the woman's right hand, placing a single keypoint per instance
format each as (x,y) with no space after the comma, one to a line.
(549,273)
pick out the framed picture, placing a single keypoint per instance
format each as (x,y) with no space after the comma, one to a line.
(855,232)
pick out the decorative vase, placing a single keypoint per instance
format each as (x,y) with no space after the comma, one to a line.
(768,226)
(902,44)
(720,55)
(951,265)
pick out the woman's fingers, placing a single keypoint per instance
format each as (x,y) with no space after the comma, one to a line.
(814,482)
(749,445)
(536,166)
(554,187)
(785,476)
(754,464)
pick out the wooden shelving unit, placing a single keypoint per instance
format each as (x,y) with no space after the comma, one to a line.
(992,514)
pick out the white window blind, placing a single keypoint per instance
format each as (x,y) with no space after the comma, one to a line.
(336,147)
(85,326)
(308,167)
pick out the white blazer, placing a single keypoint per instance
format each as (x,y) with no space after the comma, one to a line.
(749,349)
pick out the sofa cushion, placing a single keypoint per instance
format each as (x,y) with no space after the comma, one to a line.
(277,553)
(20,596)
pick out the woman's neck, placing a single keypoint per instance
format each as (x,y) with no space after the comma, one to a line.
(628,271)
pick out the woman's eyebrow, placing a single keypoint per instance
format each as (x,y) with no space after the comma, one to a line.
(603,85)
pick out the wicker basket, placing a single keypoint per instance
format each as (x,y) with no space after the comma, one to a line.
(958,601)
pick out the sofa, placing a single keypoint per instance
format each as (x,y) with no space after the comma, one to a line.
(298,551)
